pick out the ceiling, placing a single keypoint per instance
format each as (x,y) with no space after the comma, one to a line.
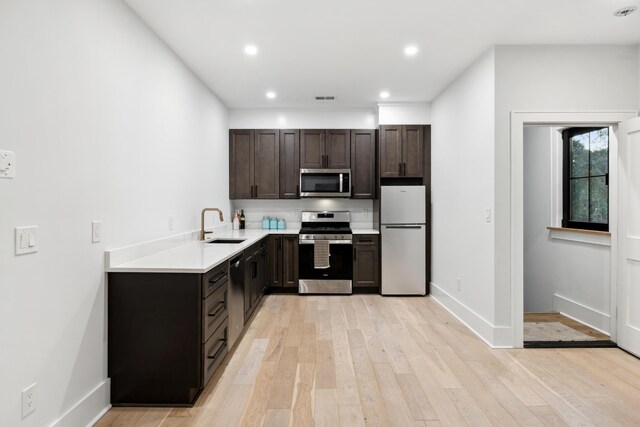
(353,49)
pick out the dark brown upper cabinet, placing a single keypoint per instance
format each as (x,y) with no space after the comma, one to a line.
(401,151)
(321,149)
(363,164)
(254,156)
(289,164)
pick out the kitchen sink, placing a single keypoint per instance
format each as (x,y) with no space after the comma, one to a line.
(226,241)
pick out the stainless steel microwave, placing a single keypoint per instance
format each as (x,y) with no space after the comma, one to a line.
(325,183)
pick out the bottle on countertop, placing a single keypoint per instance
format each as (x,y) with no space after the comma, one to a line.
(236,221)
(242,220)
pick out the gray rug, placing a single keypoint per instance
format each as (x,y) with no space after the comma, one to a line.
(553,331)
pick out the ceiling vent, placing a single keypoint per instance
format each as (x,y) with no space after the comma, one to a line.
(325,98)
(625,11)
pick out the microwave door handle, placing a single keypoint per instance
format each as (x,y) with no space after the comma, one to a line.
(341,183)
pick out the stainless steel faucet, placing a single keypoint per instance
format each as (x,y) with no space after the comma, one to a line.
(202,232)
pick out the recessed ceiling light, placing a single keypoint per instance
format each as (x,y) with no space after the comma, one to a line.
(625,11)
(250,49)
(271,94)
(384,94)
(410,50)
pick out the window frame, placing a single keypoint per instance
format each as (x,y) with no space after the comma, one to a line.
(567,134)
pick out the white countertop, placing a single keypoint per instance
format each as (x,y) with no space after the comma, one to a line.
(199,257)
(365,231)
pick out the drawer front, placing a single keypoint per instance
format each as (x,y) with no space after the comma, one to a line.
(214,312)
(214,352)
(214,279)
(365,240)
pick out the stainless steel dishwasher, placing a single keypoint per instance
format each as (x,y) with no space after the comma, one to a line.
(236,298)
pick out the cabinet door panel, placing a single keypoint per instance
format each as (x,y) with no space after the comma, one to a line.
(390,151)
(366,261)
(267,158)
(290,261)
(363,164)
(338,149)
(412,147)
(289,164)
(275,261)
(312,148)
(241,163)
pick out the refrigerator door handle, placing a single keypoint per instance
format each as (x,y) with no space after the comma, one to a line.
(403,226)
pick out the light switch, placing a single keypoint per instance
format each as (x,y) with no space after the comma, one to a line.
(7,164)
(96,231)
(26,240)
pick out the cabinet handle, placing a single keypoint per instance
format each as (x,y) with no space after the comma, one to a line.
(297,191)
(400,169)
(219,309)
(218,277)
(251,196)
(219,348)
(404,172)
(256,193)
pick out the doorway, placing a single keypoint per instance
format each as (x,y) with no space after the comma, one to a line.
(567,247)
(518,122)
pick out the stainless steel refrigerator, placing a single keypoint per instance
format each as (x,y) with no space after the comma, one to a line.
(403,237)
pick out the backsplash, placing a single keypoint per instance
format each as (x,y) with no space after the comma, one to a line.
(254,210)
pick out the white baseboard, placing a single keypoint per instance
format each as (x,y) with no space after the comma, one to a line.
(89,409)
(580,312)
(494,336)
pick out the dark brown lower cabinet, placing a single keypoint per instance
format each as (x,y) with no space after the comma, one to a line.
(366,264)
(256,266)
(167,335)
(283,261)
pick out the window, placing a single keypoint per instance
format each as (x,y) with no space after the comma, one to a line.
(586,178)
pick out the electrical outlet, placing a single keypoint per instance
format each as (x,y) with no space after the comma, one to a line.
(28,400)
(296,213)
(365,213)
(96,231)
(459,284)
(171,223)
(7,164)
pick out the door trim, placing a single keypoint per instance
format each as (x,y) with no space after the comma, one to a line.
(518,120)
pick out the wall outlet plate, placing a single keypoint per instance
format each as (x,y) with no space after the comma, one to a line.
(7,164)
(26,240)
(96,231)
(29,400)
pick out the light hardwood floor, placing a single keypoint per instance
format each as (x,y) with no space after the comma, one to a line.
(567,321)
(367,360)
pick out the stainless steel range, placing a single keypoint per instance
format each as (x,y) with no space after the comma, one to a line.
(325,259)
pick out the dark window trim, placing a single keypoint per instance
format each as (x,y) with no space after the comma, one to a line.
(567,134)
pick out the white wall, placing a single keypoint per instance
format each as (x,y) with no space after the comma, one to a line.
(573,270)
(462,149)
(407,113)
(108,125)
(549,78)
(302,118)
(638,71)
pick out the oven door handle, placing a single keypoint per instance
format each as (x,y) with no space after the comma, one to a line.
(331,242)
